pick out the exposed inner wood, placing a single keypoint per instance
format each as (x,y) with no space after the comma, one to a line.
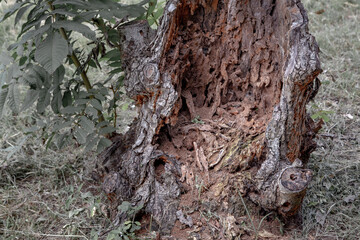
(222,90)
(226,64)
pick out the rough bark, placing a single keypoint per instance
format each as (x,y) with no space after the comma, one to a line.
(221,89)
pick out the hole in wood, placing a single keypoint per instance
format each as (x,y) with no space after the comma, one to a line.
(286,206)
(147,223)
(293,177)
(159,165)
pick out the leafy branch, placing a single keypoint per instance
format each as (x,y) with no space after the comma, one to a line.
(76,61)
(41,57)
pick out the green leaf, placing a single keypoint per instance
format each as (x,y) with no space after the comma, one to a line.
(100,97)
(20,13)
(134,228)
(74,2)
(91,111)
(80,135)
(129,10)
(115,59)
(91,141)
(3,96)
(94,235)
(112,53)
(106,130)
(103,143)
(111,236)
(83,94)
(159,13)
(151,21)
(40,123)
(127,225)
(44,100)
(87,124)
(152,5)
(115,64)
(324,115)
(111,105)
(61,125)
(31,35)
(86,16)
(77,27)
(81,101)
(96,104)
(61,140)
(36,22)
(92,63)
(56,102)
(38,9)
(102,124)
(67,98)
(10,11)
(124,207)
(30,98)
(22,60)
(19,51)
(71,110)
(325,118)
(116,70)
(49,141)
(63,12)
(58,75)
(31,129)
(14,98)
(75,212)
(51,52)
(125,106)
(103,90)
(106,14)
(36,77)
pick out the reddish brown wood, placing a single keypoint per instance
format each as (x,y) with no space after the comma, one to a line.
(222,88)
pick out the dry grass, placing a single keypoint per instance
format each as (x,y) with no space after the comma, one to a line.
(331,209)
(48,195)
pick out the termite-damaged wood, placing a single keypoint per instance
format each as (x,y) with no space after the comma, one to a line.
(222,88)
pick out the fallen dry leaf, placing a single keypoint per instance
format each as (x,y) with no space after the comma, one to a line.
(266,234)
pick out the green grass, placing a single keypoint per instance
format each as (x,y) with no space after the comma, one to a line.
(331,209)
(46,193)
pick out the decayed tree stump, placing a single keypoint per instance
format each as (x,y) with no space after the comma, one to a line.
(222,88)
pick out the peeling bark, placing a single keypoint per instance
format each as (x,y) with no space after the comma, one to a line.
(221,89)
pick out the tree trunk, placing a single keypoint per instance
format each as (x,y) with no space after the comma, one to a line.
(221,89)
